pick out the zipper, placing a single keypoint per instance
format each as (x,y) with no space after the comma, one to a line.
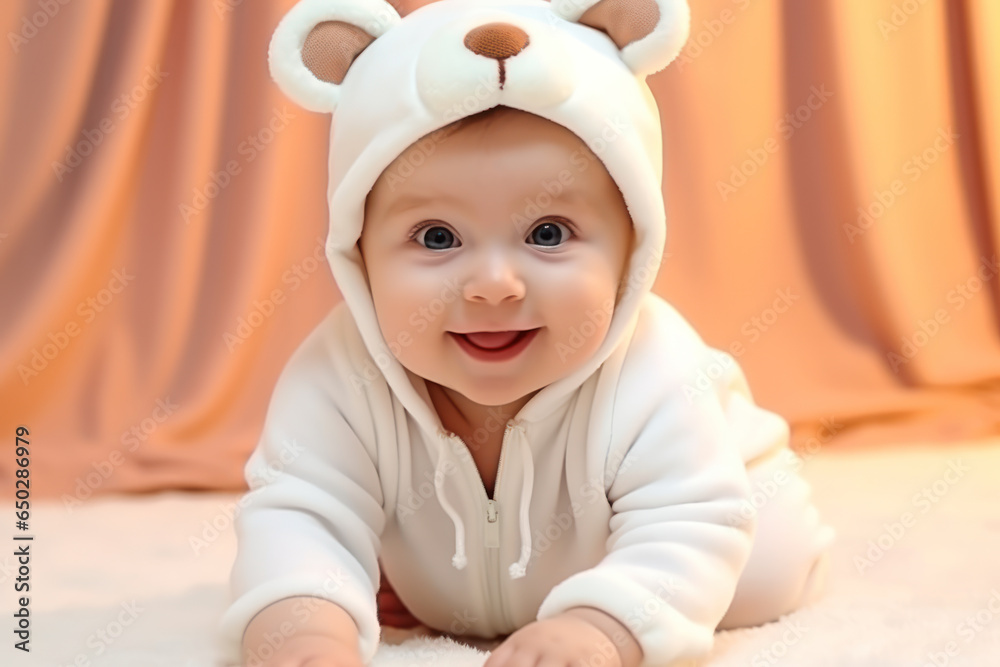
(491,528)
(492,524)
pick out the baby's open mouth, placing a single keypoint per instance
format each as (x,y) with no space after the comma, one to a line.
(495,345)
(494,341)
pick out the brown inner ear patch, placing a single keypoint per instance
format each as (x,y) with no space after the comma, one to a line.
(498,41)
(625,21)
(331,47)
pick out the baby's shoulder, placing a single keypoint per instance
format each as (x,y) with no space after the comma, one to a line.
(333,356)
(664,349)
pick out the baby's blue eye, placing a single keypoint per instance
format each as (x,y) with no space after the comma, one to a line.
(436,237)
(549,234)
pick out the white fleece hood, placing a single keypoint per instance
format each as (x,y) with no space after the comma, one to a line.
(420,73)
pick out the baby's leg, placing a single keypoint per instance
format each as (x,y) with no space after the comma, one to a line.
(788,562)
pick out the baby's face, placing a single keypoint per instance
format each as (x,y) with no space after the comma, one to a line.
(478,238)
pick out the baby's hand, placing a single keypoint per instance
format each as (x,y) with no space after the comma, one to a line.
(560,641)
(313,651)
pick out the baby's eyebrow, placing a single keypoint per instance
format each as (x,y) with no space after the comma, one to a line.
(412,200)
(416,199)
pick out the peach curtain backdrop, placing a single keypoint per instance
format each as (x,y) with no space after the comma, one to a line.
(832,183)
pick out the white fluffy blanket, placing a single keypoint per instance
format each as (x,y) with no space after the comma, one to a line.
(118,582)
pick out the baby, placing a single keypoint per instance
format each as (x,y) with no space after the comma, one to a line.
(501,417)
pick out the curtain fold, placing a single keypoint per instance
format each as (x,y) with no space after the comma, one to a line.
(832,177)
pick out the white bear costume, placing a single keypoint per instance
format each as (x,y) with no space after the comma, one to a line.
(623,486)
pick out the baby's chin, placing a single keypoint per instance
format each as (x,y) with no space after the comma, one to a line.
(482,393)
(485,392)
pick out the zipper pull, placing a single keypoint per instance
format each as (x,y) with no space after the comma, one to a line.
(492,524)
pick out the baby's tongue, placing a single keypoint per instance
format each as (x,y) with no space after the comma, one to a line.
(492,340)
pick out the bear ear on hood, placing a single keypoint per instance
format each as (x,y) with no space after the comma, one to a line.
(316,42)
(649,33)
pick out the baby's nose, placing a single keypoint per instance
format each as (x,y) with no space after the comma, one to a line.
(496,40)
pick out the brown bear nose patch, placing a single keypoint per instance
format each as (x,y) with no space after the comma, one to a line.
(497,40)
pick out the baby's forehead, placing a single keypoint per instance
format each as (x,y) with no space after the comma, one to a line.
(513,144)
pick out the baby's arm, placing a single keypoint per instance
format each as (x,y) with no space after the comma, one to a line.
(311,525)
(675,553)
(328,637)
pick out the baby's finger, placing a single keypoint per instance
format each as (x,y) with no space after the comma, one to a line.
(499,655)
